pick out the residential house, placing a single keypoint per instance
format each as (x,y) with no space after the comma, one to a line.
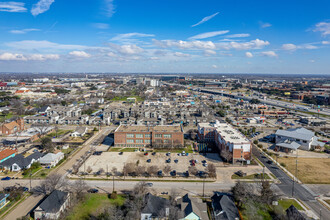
(192,208)
(3,199)
(53,206)
(224,207)
(51,160)
(6,154)
(155,208)
(12,127)
(79,132)
(19,162)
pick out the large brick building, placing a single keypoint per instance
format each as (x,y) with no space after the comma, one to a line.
(233,145)
(144,136)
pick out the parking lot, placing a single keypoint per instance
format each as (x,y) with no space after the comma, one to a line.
(108,160)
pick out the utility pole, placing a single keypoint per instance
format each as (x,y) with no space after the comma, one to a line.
(203,186)
(30,181)
(293,179)
(113,183)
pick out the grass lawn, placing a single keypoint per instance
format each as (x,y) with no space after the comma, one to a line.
(186,149)
(252,176)
(115,149)
(124,98)
(92,204)
(310,170)
(27,175)
(286,203)
(59,133)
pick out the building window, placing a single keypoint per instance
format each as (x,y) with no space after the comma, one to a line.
(158,135)
(166,141)
(147,141)
(167,136)
(130,141)
(139,135)
(297,139)
(147,135)
(130,135)
(159,141)
(139,141)
(305,141)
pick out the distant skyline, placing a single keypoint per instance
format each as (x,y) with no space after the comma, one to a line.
(154,36)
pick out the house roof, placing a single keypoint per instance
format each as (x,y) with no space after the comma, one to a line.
(54,201)
(291,145)
(298,133)
(50,157)
(224,208)
(2,196)
(80,130)
(21,161)
(6,152)
(11,125)
(195,205)
(155,205)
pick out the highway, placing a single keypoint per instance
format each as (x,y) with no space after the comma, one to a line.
(300,191)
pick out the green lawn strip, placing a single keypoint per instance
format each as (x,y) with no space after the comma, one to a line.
(33,172)
(93,203)
(263,211)
(252,176)
(258,161)
(286,203)
(59,133)
(115,149)
(186,149)
(128,149)
(124,98)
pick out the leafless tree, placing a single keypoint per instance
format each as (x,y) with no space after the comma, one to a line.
(128,168)
(78,188)
(192,170)
(140,170)
(114,171)
(89,169)
(212,170)
(167,169)
(52,182)
(101,170)
(152,170)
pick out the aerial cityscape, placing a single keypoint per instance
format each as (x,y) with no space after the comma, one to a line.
(164,110)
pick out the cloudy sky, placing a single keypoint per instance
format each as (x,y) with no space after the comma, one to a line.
(172,36)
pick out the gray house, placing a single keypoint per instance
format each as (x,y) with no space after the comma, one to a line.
(19,162)
(224,208)
(155,208)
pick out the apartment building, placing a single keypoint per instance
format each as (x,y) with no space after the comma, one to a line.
(233,145)
(144,136)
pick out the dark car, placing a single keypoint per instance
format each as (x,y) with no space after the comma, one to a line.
(93,190)
(149,160)
(168,160)
(6,178)
(270,162)
(186,174)
(121,153)
(176,161)
(146,154)
(153,153)
(173,173)
(24,189)
(204,161)
(160,173)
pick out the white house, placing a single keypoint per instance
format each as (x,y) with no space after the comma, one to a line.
(79,132)
(51,159)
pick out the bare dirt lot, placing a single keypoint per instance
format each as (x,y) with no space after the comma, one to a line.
(310,170)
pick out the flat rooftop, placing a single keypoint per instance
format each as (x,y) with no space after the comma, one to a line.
(142,128)
(230,134)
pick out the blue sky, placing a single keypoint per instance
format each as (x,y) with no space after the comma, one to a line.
(169,36)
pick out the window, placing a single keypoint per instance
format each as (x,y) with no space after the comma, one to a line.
(147,141)
(297,139)
(158,141)
(166,141)
(130,135)
(167,136)
(305,141)
(130,141)
(139,141)
(139,135)
(147,135)
(158,135)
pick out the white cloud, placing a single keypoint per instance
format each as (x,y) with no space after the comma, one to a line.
(237,35)
(130,49)
(208,34)
(249,54)
(109,8)
(32,57)
(214,66)
(204,45)
(205,19)
(111,54)
(269,54)
(264,24)
(209,52)
(179,54)
(41,7)
(325,42)
(102,26)
(289,47)
(323,27)
(120,37)
(12,7)
(23,31)
(253,44)
(37,45)
(80,54)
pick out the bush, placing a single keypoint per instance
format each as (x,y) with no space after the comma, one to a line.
(255,142)
(283,164)
(260,146)
(113,195)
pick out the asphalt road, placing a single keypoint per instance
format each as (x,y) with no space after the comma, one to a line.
(300,191)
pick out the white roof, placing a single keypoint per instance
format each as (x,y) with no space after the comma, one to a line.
(50,157)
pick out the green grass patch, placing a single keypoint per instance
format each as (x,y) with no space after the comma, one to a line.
(93,203)
(252,176)
(115,149)
(186,149)
(59,133)
(129,149)
(286,203)
(124,98)
(27,175)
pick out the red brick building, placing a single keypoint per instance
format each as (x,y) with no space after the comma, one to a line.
(12,127)
(144,136)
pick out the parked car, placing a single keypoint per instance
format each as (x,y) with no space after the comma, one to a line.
(160,173)
(6,178)
(153,153)
(146,154)
(149,184)
(168,153)
(173,173)
(168,160)
(93,190)
(176,161)
(149,160)
(121,153)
